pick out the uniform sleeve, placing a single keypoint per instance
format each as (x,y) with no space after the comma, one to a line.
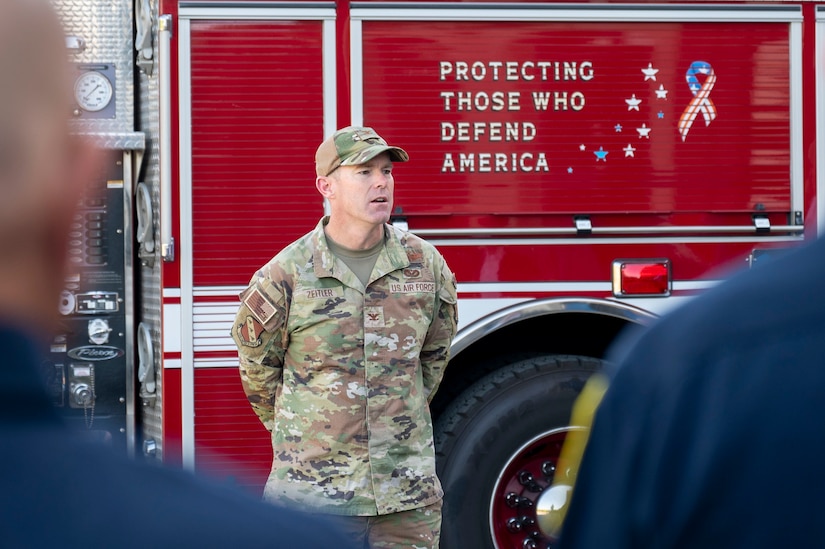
(436,350)
(258,332)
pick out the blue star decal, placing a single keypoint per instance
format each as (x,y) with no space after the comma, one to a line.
(618,128)
(570,170)
(601,154)
(660,114)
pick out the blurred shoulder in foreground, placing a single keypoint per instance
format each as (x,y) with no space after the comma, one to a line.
(59,491)
(708,435)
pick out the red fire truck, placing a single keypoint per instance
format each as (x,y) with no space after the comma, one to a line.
(583,167)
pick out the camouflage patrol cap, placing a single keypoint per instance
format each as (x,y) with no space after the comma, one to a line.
(351,146)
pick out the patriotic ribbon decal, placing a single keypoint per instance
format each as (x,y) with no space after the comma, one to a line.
(701,101)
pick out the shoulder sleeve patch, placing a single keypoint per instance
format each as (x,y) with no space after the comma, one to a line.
(249,332)
(259,305)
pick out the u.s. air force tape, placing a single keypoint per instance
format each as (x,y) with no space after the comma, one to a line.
(260,306)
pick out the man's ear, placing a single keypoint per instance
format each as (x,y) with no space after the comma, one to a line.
(324,186)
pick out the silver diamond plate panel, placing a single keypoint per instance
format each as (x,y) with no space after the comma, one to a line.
(106,28)
(151,415)
(131,141)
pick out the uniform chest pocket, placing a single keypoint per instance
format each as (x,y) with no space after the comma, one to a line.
(414,296)
(324,310)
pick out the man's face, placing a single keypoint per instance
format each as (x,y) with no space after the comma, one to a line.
(363,194)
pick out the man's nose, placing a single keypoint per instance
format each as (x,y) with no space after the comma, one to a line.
(381,180)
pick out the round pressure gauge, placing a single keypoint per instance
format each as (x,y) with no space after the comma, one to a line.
(92,91)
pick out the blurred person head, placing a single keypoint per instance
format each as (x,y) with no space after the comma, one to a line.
(41,167)
(42,174)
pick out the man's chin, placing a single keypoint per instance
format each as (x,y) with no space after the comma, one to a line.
(379,218)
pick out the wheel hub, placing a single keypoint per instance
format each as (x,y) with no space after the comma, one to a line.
(524,505)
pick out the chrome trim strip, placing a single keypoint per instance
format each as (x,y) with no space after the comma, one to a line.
(256,10)
(545,231)
(589,241)
(129,301)
(167,243)
(356,44)
(529,288)
(187,355)
(574,12)
(541,307)
(797,150)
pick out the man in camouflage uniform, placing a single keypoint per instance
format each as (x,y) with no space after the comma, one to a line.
(343,338)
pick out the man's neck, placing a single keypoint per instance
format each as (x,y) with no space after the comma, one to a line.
(354,237)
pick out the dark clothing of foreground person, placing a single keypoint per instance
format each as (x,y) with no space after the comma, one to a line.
(710,434)
(60,491)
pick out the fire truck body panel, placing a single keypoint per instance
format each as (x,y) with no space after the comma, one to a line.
(582,167)
(560,105)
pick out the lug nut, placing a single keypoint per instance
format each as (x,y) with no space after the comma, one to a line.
(512,500)
(514,525)
(526,521)
(525,478)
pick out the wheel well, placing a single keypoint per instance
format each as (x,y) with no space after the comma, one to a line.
(585,334)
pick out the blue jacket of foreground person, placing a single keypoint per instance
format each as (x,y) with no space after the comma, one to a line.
(60,491)
(710,433)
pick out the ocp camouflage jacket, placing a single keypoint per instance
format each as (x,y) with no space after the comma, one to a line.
(342,376)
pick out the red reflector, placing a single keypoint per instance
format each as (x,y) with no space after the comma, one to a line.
(641,278)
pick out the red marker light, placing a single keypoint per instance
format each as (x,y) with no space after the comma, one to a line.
(641,277)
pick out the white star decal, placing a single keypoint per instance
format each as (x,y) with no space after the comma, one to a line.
(582,147)
(629,150)
(633,103)
(644,131)
(650,72)
(661,93)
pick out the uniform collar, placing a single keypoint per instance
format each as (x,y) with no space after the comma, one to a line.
(391,258)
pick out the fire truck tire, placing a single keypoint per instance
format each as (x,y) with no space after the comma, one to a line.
(482,437)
